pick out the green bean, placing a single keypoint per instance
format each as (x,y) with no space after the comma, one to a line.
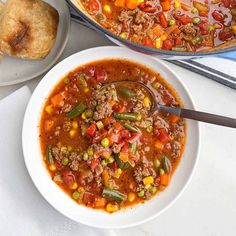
(49,156)
(113,195)
(82,81)
(165,163)
(131,128)
(77,110)
(134,147)
(128,116)
(121,164)
(126,92)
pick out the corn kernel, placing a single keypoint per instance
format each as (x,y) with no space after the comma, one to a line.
(234,28)
(146,102)
(74,186)
(119,171)
(63,148)
(112,207)
(49,109)
(69,148)
(86,90)
(75,124)
(177,4)
(72,133)
(131,197)
(52,167)
(158,43)
(107,9)
(148,180)
(83,116)
(123,35)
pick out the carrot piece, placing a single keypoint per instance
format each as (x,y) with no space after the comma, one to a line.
(158,30)
(159,145)
(100,202)
(165,179)
(119,3)
(112,102)
(132,4)
(57,100)
(118,126)
(105,176)
(124,156)
(48,124)
(165,5)
(105,154)
(173,118)
(185,7)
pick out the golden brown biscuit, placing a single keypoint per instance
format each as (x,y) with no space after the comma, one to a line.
(1,8)
(28,28)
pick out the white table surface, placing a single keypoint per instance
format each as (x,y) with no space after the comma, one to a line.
(208,206)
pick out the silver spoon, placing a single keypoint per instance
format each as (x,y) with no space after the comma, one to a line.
(181,112)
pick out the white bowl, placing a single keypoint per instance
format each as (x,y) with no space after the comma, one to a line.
(60,200)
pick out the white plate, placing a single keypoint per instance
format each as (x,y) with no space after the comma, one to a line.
(61,201)
(15,70)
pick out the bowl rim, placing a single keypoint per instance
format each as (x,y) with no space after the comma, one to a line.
(29,168)
(142,48)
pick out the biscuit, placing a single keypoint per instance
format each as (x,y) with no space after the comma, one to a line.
(28,29)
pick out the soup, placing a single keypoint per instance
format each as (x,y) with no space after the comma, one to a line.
(99,140)
(174,25)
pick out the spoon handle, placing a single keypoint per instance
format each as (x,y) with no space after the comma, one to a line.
(201,116)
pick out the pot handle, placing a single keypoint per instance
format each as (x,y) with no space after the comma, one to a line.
(228,55)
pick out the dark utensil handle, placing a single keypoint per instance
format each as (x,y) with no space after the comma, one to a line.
(201,116)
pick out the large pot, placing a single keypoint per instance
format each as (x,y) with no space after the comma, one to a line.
(219,50)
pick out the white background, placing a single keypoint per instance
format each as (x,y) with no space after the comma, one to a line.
(208,206)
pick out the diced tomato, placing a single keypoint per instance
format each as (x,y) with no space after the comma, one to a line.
(163,20)
(68,177)
(163,136)
(203,26)
(94,163)
(167,44)
(184,19)
(91,130)
(134,137)
(219,16)
(178,41)
(88,198)
(113,166)
(125,148)
(147,42)
(100,75)
(113,138)
(119,107)
(225,34)
(93,5)
(48,125)
(226,3)
(124,134)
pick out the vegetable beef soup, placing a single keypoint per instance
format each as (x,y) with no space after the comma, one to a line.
(99,141)
(175,25)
